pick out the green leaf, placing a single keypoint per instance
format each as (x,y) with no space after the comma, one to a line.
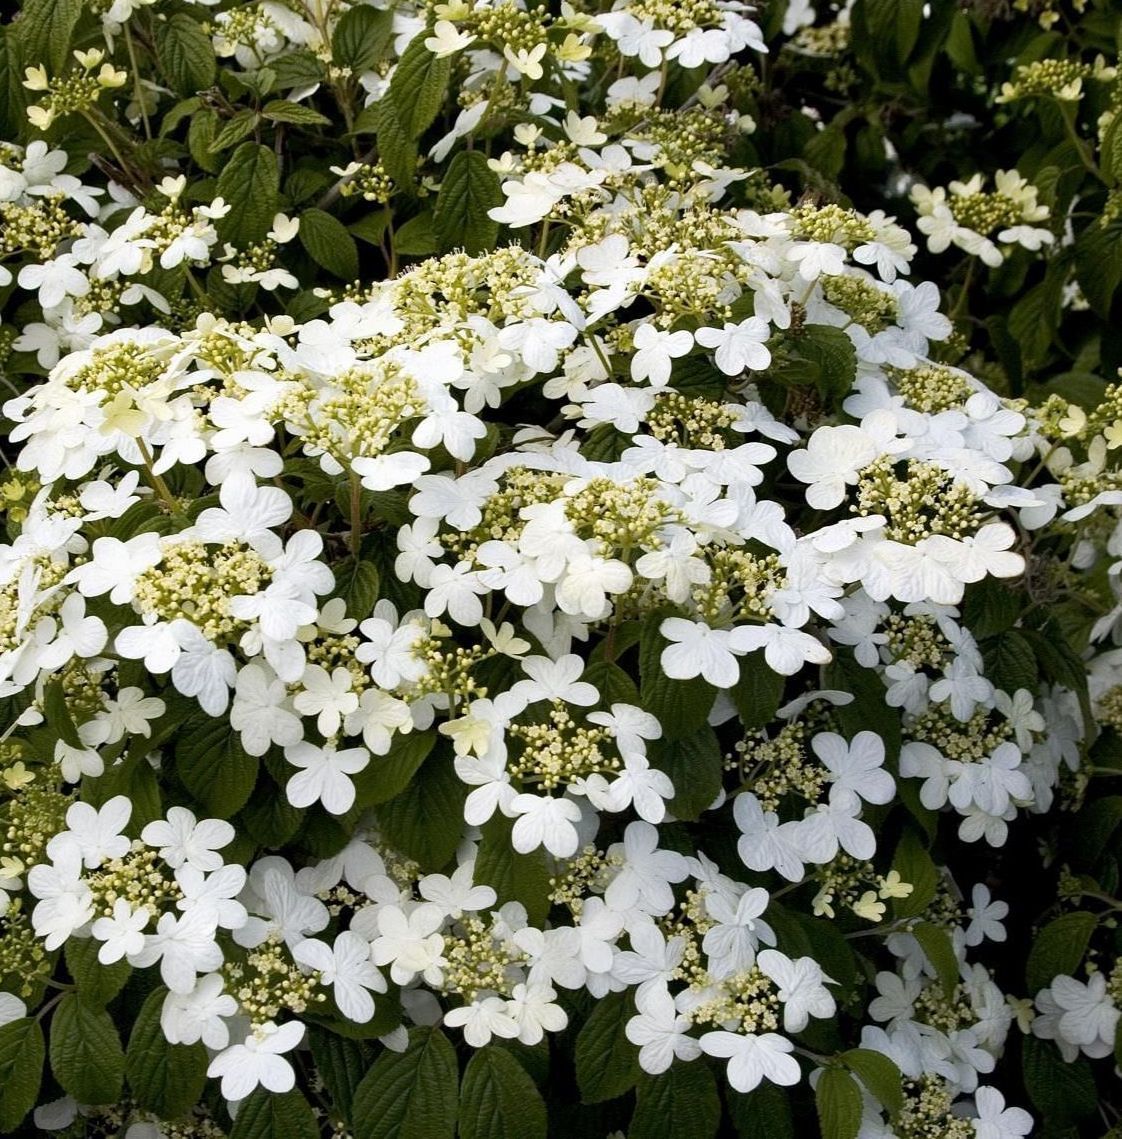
(824,357)
(329,244)
(915,866)
(838,1100)
(682,1103)
(272,1115)
(498,1099)
(881,1077)
(695,766)
(167,1079)
(250,183)
(341,1064)
(357,582)
(1010,662)
(764,1113)
(45,31)
(607,1062)
(1094,827)
(758,692)
(411,1094)
(13,94)
(1059,948)
(372,227)
(396,148)
(213,765)
(185,53)
(240,125)
(418,86)
(269,818)
(990,607)
(283,111)
(416,238)
(97,984)
(469,190)
(361,37)
(514,877)
(425,822)
(86,1055)
(680,706)
(1098,264)
(936,944)
(58,716)
(388,775)
(1063,1093)
(22,1052)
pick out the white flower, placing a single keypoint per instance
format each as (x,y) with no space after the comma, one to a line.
(97,831)
(534,1012)
(766,843)
(184,945)
(327,696)
(555,680)
(347,968)
(857,768)
(545,821)
(985,917)
(833,458)
(785,650)
(962,687)
(409,943)
(483,1018)
(200,1014)
(752,1059)
(740,346)
(122,935)
(184,841)
(995,1120)
(660,1030)
(737,931)
(698,650)
(260,711)
(76,635)
(259,1061)
(325,775)
(654,350)
(646,873)
(800,988)
(456,895)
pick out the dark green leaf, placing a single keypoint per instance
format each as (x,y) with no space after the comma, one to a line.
(249,183)
(426,820)
(1064,1093)
(86,1055)
(45,31)
(914,865)
(1010,662)
(680,706)
(695,766)
(283,111)
(240,125)
(57,713)
(761,1114)
(936,945)
(881,1077)
(416,238)
(418,86)
(185,53)
(341,1064)
(388,775)
(607,1062)
(498,1099)
(469,190)
(213,765)
(838,1100)
(514,877)
(167,1079)
(682,1103)
(97,984)
(1059,948)
(329,243)
(361,37)
(758,692)
(411,1094)
(273,1115)
(22,1052)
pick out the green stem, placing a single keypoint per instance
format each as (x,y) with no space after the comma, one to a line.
(138,92)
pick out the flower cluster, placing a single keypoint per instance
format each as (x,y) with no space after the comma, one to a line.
(610,612)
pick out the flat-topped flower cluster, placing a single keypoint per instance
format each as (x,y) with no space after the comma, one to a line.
(640,629)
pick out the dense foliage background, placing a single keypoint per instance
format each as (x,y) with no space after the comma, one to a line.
(455,680)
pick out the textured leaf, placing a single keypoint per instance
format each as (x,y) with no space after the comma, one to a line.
(361,37)
(1059,948)
(329,244)
(185,54)
(45,30)
(85,1050)
(411,1094)
(214,766)
(514,877)
(695,766)
(607,1062)
(498,1099)
(469,190)
(22,1052)
(341,1064)
(838,1100)
(167,1079)
(881,1077)
(97,984)
(272,1115)
(250,183)
(682,1103)
(418,86)
(426,820)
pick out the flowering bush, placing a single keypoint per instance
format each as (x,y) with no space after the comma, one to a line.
(519,613)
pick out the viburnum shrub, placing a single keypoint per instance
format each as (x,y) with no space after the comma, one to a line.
(521,613)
